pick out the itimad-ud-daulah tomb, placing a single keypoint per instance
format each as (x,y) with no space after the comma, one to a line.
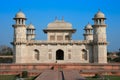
(59,46)
(60,57)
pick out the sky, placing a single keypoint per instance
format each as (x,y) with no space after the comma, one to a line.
(77,12)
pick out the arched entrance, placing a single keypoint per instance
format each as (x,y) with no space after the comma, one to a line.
(37,54)
(59,54)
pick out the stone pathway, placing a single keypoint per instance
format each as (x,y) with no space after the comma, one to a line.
(60,75)
(72,75)
(50,75)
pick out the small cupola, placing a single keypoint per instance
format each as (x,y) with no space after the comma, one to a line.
(31,26)
(20,18)
(99,18)
(20,14)
(30,32)
(88,26)
(88,35)
(99,14)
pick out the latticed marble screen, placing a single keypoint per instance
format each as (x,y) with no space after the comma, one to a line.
(52,37)
(60,37)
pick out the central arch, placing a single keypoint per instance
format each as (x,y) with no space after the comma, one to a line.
(59,54)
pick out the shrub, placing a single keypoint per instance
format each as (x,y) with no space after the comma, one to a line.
(97,76)
(24,74)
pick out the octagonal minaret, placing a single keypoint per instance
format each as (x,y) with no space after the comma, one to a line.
(19,40)
(20,27)
(99,38)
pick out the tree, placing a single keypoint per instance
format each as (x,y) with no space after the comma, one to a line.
(5,50)
(116,59)
(118,53)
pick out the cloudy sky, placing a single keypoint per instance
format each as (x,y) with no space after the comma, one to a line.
(77,12)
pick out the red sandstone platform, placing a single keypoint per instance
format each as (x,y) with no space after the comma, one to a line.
(83,69)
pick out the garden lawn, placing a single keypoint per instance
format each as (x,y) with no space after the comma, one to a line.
(105,78)
(13,77)
(7,77)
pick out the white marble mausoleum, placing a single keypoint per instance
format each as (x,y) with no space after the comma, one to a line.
(59,46)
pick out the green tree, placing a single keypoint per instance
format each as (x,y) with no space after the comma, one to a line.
(116,59)
(5,50)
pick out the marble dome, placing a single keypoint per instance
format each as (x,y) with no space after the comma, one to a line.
(99,14)
(20,14)
(30,27)
(59,24)
(88,26)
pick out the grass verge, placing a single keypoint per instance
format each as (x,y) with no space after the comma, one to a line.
(13,77)
(105,78)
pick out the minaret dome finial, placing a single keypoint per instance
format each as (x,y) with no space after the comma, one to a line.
(62,18)
(55,18)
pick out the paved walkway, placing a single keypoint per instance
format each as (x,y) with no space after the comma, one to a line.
(72,75)
(60,75)
(50,75)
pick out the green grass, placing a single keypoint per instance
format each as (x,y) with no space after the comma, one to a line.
(105,78)
(12,77)
(7,77)
(30,78)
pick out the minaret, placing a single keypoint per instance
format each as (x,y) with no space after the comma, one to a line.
(20,27)
(30,32)
(99,38)
(19,41)
(88,35)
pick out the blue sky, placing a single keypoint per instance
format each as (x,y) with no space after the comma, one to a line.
(77,12)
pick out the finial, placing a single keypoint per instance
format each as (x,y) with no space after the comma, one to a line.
(20,10)
(98,9)
(62,18)
(30,22)
(55,18)
(88,23)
